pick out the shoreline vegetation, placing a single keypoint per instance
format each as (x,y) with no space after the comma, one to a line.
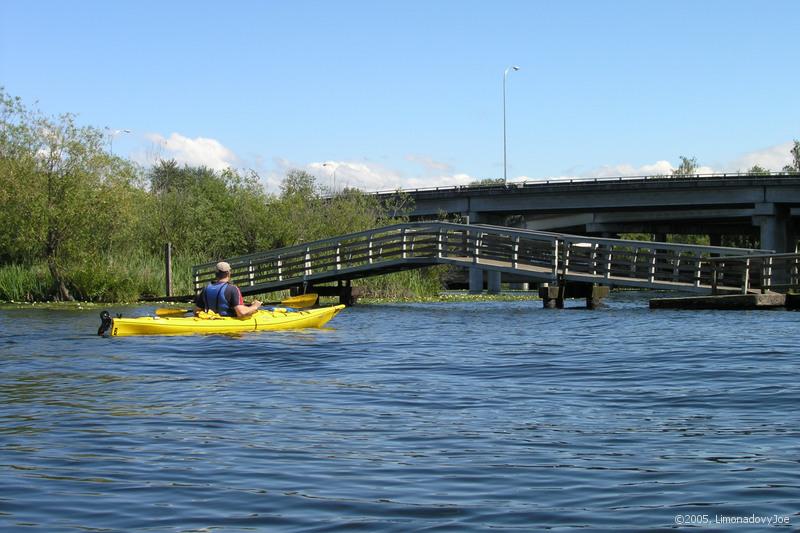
(86,225)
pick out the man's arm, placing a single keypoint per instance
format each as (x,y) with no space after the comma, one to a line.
(247,310)
(244,310)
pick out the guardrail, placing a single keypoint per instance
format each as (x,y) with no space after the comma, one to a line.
(538,255)
(728,176)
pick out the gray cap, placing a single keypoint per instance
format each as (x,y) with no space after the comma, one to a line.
(223,266)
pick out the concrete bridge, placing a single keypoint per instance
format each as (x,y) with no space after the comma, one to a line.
(764,207)
(564,265)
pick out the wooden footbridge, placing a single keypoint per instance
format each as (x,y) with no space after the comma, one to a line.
(557,260)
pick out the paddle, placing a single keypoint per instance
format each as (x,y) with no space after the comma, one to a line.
(300,301)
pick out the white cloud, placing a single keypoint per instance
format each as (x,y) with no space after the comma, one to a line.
(772,158)
(653,169)
(198,151)
(370,176)
(362,175)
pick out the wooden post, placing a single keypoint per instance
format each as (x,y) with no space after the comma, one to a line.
(698,273)
(168,268)
(714,276)
(766,275)
(555,259)
(565,264)
(651,273)
(476,258)
(676,266)
(746,276)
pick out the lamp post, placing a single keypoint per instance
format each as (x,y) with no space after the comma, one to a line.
(505,164)
(333,189)
(111,135)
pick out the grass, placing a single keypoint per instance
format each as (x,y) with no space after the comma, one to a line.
(20,283)
(101,279)
(113,279)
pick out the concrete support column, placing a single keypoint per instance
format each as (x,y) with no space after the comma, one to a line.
(715,239)
(493,283)
(773,222)
(475,280)
(660,237)
(775,228)
(475,217)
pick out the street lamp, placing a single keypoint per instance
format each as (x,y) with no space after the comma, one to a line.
(111,135)
(505,165)
(333,189)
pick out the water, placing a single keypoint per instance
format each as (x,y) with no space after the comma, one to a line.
(441,417)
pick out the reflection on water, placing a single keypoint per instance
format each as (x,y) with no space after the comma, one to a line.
(403,417)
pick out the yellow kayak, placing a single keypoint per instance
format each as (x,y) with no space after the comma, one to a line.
(263,320)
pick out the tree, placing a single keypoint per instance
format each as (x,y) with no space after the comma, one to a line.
(193,209)
(250,218)
(795,164)
(55,174)
(758,170)
(688,167)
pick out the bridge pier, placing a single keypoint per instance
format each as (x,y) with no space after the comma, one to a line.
(493,282)
(773,222)
(348,295)
(553,296)
(475,280)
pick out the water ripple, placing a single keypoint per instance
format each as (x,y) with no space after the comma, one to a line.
(445,417)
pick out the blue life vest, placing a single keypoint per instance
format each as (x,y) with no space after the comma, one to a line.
(214,298)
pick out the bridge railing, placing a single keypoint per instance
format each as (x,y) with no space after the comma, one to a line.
(620,262)
(544,256)
(757,273)
(728,176)
(384,249)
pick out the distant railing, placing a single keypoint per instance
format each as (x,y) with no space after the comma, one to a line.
(742,176)
(542,256)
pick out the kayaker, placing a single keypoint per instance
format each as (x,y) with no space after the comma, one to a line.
(223,297)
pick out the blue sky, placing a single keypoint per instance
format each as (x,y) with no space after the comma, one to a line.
(410,93)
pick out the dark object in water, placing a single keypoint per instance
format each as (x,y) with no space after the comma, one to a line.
(105,323)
